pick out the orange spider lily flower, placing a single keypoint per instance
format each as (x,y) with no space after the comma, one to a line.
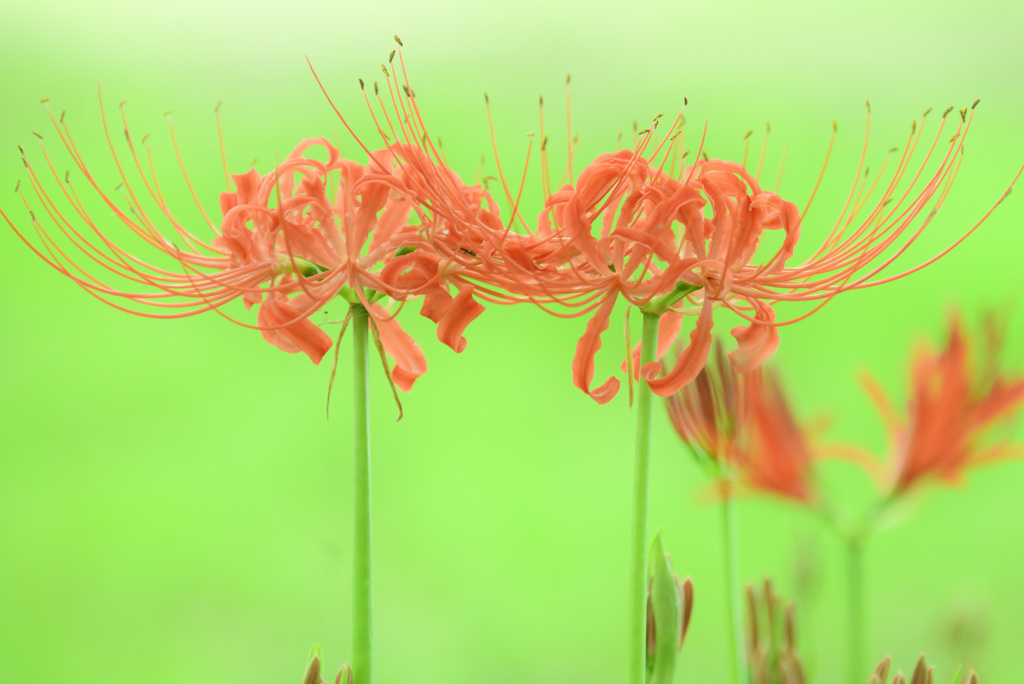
(674,242)
(958,394)
(288,242)
(743,421)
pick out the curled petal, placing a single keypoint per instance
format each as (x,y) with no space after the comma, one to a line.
(400,346)
(282,325)
(459,314)
(586,350)
(690,361)
(757,341)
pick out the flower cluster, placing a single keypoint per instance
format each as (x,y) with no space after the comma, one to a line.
(637,225)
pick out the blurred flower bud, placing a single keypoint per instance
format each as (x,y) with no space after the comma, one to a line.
(669,607)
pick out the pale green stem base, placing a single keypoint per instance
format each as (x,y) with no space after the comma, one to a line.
(855,595)
(362,565)
(734,601)
(641,493)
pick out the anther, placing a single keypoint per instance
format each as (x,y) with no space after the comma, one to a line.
(145,139)
(37,135)
(685,101)
(948,110)
(893,149)
(658,116)
(385,70)
(391,57)
(32,215)
(362,86)
(405,88)
(376,88)
(123,102)
(544,143)
(541,100)
(216,110)
(17,185)
(67,177)
(767,127)
(868,104)
(746,136)
(913,127)
(567,79)
(167,113)
(44,100)
(62,112)
(487,99)
(926,112)
(835,126)
(399,41)
(976,102)
(963,114)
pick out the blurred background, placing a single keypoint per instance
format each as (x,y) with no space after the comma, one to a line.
(174,506)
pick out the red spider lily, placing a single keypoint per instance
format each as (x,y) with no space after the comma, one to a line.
(673,243)
(743,421)
(288,241)
(958,395)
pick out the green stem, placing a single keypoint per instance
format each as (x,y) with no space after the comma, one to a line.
(362,565)
(641,493)
(855,595)
(734,601)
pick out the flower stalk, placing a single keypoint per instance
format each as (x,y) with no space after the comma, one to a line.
(855,597)
(362,560)
(641,494)
(731,547)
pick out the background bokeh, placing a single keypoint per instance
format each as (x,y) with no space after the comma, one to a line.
(174,507)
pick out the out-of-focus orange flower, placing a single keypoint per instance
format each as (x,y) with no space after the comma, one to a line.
(958,394)
(744,422)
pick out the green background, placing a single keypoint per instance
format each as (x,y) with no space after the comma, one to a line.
(175,508)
